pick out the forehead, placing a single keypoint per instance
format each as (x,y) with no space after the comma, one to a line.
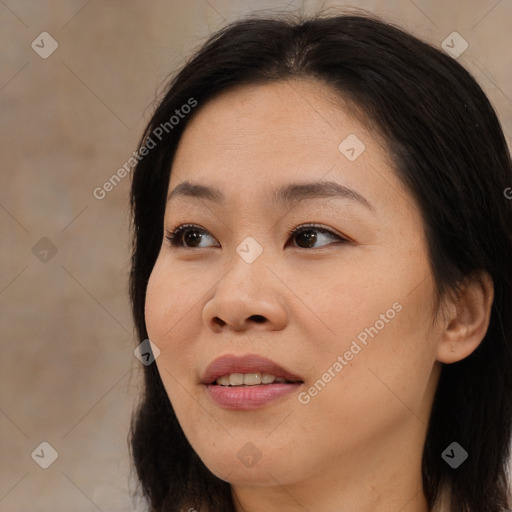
(264,136)
(279,115)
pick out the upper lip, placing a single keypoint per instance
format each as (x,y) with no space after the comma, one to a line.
(250,363)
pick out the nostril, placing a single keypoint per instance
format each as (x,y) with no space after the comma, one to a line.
(219,321)
(255,318)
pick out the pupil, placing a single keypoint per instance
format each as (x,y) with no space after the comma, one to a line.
(308,237)
(192,237)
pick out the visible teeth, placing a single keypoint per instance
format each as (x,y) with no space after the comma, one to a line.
(266,378)
(236,379)
(252,379)
(248,379)
(223,381)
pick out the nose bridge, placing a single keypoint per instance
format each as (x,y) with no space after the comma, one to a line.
(248,263)
(247,294)
(249,266)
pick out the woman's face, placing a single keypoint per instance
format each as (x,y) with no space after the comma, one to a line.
(346,307)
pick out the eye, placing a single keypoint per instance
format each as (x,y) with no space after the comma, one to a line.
(188,236)
(308,235)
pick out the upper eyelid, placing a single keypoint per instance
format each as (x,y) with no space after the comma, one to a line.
(182,227)
(301,227)
(319,227)
(170,234)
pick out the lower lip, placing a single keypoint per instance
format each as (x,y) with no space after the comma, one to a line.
(249,397)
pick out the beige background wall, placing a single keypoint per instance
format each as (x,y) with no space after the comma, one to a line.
(68,122)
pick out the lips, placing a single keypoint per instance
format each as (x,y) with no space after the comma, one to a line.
(250,363)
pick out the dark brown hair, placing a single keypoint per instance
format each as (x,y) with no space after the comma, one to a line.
(449,151)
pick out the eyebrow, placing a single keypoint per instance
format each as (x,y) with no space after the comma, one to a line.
(286,194)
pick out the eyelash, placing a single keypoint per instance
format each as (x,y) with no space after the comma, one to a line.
(174,236)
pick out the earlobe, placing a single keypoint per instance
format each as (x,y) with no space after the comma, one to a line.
(467,319)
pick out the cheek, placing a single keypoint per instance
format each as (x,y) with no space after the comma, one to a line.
(170,300)
(159,304)
(172,314)
(382,361)
(382,345)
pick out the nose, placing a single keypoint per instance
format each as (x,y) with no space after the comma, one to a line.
(247,297)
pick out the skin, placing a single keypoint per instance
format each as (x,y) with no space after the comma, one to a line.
(357,444)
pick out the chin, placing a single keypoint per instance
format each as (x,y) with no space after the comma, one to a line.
(257,476)
(250,467)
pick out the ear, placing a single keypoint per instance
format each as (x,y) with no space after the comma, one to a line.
(466,319)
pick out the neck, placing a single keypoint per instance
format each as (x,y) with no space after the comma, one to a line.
(382,476)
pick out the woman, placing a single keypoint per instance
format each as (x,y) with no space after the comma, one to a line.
(321,256)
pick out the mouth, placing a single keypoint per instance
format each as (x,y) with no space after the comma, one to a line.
(251,379)
(248,382)
(247,370)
